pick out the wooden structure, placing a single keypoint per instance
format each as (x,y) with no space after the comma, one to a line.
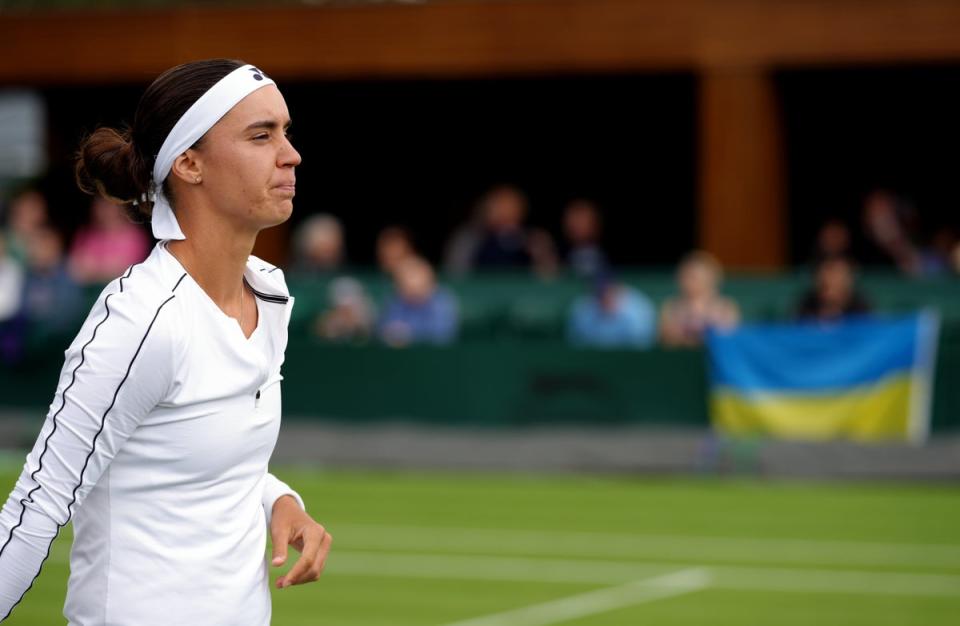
(731,44)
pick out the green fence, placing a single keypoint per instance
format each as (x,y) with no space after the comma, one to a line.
(512,365)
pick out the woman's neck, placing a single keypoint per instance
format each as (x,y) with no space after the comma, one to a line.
(215,258)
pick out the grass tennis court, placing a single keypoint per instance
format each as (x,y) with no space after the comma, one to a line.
(443,549)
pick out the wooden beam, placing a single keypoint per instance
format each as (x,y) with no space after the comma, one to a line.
(742,204)
(477,38)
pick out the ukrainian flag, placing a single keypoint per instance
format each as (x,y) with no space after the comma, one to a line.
(867,379)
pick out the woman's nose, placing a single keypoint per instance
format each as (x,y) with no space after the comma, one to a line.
(289,155)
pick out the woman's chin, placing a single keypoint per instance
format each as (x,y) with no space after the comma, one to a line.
(283,211)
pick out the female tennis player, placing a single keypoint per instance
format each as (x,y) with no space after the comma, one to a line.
(168,406)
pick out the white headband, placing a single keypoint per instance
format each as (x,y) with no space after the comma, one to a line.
(193,125)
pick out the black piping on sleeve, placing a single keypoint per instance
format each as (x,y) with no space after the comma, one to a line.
(93,443)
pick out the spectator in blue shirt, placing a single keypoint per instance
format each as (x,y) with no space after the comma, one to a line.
(51,299)
(612,316)
(418,311)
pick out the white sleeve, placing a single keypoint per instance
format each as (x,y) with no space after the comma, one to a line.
(117,370)
(273,489)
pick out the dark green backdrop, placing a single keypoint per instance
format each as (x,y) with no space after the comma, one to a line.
(512,365)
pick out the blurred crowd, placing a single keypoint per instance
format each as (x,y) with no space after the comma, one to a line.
(890,235)
(610,313)
(497,237)
(42,275)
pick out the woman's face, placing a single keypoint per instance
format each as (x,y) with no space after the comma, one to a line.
(697,281)
(415,281)
(835,282)
(248,161)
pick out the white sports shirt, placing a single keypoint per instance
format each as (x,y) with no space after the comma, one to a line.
(156,444)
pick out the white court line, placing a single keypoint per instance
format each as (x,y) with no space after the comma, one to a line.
(343,562)
(598,601)
(649,546)
(577,571)
(645,547)
(835,581)
(491,568)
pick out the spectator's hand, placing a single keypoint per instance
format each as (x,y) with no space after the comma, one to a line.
(291,526)
(397,334)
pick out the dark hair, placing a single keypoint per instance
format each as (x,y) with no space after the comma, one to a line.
(118,164)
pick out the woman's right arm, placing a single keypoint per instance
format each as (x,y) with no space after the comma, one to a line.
(116,371)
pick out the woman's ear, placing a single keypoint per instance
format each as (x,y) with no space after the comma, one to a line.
(188,167)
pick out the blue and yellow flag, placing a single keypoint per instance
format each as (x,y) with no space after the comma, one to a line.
(867,379)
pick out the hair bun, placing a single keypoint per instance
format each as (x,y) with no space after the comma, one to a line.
(109,163)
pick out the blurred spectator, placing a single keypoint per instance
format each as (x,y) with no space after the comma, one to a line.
(582,226)
(11,283)
(462,244)
(28,214)
(394,247)
(612,316)
(418,311)
(318,246)
(937,257)
(11,291)
(834,295)
(699,304)
(888,222)
(106,247)
(955,258)
(351,316)
(833,239)
(502,241)
(51,298)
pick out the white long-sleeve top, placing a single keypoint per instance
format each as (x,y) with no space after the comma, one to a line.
(156,444)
